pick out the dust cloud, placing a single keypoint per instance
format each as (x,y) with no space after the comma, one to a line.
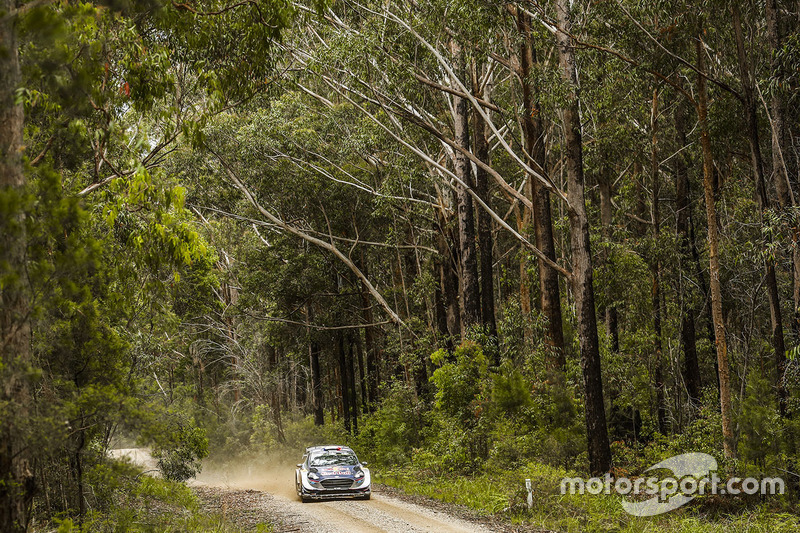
(273,475)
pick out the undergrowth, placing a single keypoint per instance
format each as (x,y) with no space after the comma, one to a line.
(137,503)
(502,494)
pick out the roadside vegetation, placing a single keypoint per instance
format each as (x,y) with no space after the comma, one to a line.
(136,502)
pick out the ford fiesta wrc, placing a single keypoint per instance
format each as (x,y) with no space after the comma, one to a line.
(331,472)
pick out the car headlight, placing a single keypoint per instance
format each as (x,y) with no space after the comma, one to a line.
(358,474)
(313,475)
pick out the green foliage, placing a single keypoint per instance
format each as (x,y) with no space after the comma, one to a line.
(133,502)
(760,426)
(389,435)
(461,384)
(511,391)
(180,449)
(157,310)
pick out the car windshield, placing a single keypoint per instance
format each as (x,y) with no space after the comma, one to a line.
(333,458)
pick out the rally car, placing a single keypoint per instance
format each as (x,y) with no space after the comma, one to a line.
(331,472)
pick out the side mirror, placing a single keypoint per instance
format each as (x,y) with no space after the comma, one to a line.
(300,465)
(364,464)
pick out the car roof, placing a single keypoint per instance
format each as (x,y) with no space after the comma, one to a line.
(329,447)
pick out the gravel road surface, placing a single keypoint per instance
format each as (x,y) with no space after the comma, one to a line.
(249,497)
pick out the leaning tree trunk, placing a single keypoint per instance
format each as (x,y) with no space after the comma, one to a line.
(549,296)
(723,368)
(749,102)
(16,479)
(596,428)
(683,207)
(469,288)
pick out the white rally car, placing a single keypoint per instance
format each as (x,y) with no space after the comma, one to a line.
(331,472)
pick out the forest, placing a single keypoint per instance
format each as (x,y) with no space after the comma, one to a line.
(479,242)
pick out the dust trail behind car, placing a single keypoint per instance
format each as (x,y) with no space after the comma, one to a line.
(277,499)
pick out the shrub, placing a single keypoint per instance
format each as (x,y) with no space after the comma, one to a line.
(179,455)
(397,426)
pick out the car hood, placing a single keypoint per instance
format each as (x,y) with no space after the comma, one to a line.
(335,471)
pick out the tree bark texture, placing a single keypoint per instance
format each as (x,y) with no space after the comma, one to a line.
(661,406)
(469,288)
(485,240)
(606,216)
(369,345)
(16,478)
(316,384)
(683,207)
(344,382)
(723,368)
(771,282)
(549,295)
(448,277)
(596,428)
(781,146)
(351,382)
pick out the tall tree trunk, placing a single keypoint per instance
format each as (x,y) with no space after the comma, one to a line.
(448,277)
(780,147)
(362,379)
(316,383)
(439,306)
(275,400)
(470,286)
(655,267)
(344,383)
(777,106)
(369,343)
(683,206)
(771,282)
(485,240)
(723,369)
(612,320)
(351,381)
(16,479)
(549,295)
(596,428)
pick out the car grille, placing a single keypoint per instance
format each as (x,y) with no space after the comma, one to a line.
(337,483)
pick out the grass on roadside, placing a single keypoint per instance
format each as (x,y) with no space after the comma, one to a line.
(503,494)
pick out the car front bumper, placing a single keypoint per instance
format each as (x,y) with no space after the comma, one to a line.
(318,492)
(328,494)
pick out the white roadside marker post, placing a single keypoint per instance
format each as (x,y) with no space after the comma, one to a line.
(530,493)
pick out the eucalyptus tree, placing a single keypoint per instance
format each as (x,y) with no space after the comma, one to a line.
(582,274)
(441,54)
(88,75)
(534,136)
(16,476)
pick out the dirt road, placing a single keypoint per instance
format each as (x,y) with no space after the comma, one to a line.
(244,494)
